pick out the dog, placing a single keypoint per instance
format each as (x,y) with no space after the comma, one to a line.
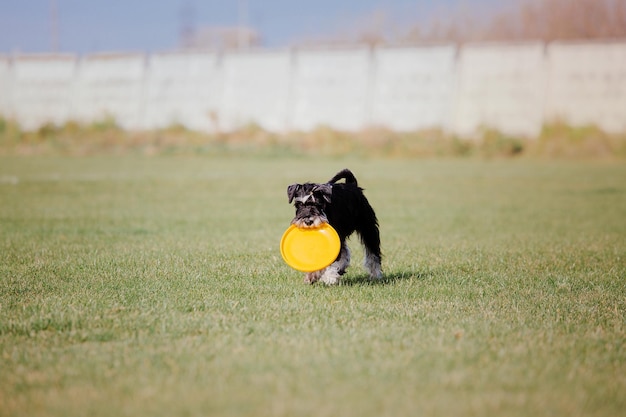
(345,208)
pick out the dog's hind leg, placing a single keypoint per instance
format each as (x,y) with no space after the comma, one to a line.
(372,264)
(370,239)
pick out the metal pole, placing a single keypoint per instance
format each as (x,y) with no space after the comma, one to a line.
(54,26)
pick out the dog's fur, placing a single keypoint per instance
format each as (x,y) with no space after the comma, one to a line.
(345,208)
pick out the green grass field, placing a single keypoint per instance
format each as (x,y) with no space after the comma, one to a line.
(153,286)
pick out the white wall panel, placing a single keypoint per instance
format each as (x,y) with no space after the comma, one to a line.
(501,86)
(414,87)
(111,85)
(587,84)
(6,83)
(332,88)
(42,89)
(256,89)
(183,89)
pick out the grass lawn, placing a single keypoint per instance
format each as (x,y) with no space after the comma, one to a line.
(153,286)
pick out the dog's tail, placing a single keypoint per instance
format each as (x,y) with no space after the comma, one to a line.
(345,174)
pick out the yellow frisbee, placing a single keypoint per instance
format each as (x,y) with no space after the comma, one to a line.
(309,250)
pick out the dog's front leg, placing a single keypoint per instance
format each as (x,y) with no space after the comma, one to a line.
(313,277)
(332,274)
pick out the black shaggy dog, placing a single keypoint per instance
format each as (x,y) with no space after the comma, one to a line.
(345,208)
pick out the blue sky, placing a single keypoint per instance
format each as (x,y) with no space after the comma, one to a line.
(87,26)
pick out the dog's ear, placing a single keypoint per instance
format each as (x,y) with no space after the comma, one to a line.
(291,191)
(325,190)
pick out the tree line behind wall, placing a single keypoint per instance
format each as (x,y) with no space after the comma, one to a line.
(522,20)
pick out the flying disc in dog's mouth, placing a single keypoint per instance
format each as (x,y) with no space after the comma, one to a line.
(310,249)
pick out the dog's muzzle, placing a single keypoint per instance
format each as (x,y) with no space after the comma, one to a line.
(309,222)
(309,217)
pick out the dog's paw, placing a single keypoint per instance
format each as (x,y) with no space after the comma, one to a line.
(376,274)
(330,277)
(312,277)
(372,264)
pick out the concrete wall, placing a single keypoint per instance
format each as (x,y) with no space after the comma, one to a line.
(6,82)
(183,89)
(111,86)
(256,90)
(501,87)
(515,88)
(414,87)
(587,84)
(42,89)
(332,88)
